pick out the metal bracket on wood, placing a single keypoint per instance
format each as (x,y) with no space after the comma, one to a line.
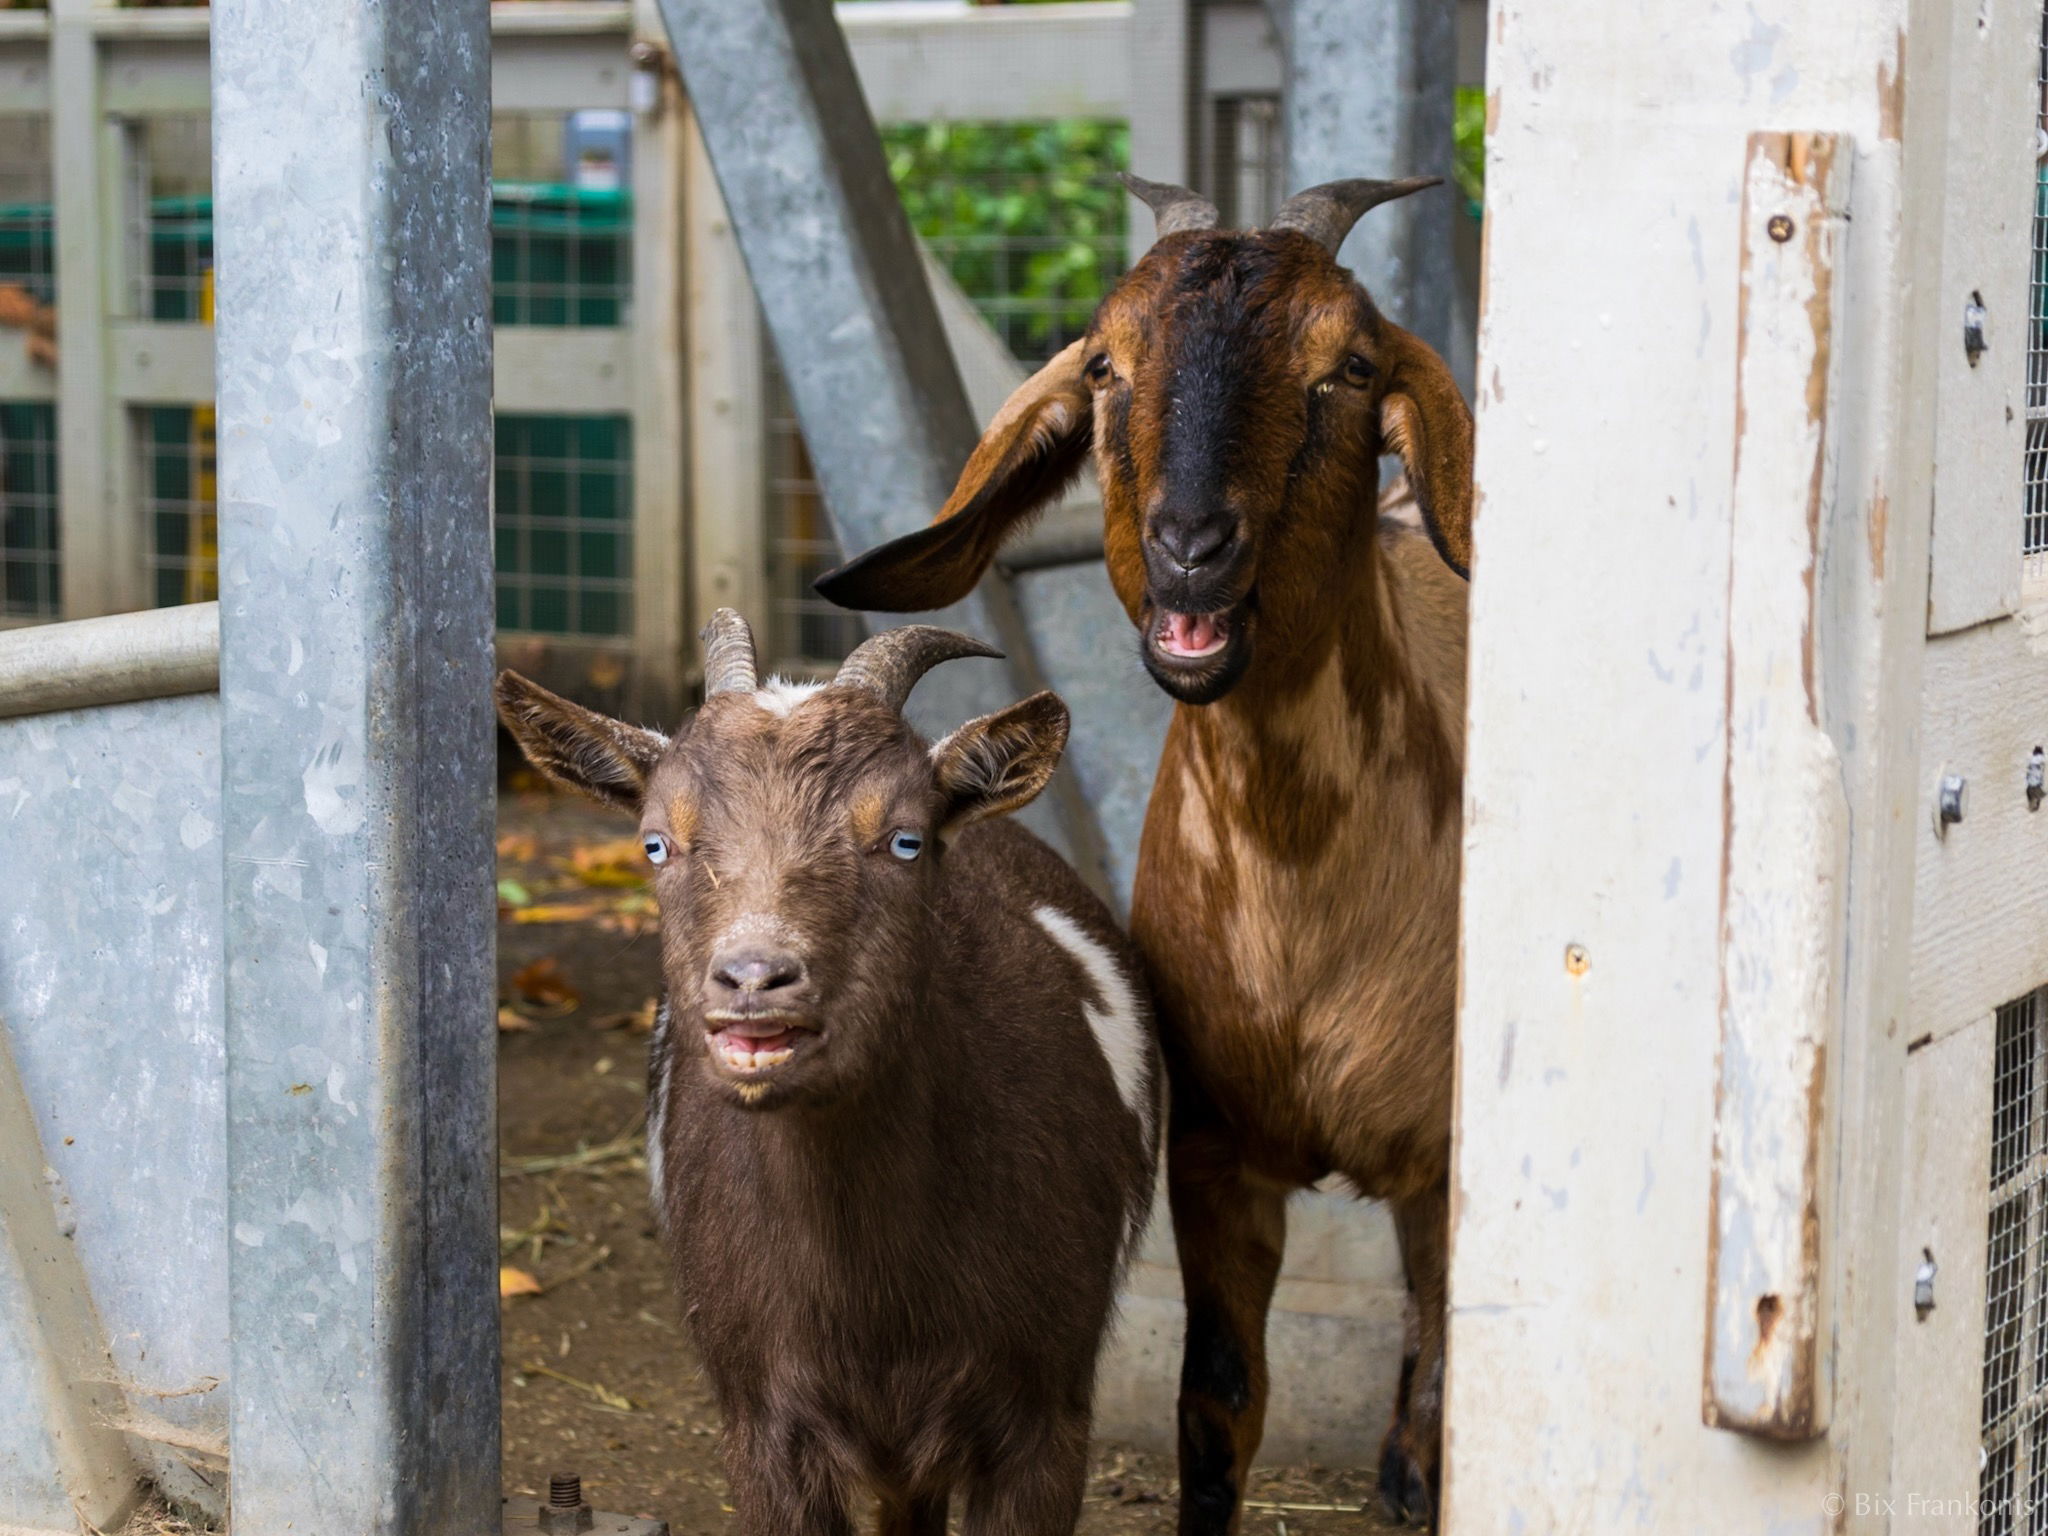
(1787,832)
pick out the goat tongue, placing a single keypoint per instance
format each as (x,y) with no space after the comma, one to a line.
(1192,634)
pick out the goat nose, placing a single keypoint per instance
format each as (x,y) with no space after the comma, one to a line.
(1193,544)
(757,970)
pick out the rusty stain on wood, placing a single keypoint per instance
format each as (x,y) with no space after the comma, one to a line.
(1891,95)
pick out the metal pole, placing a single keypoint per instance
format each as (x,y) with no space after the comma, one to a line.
(837,270)
(352,154)
(156,654)
(1369,93)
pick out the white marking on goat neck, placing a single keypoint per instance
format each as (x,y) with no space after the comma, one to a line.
(779,696)
(657,1103)
(1118,1024)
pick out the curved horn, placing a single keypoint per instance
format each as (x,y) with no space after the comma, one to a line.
(1326,213)
(1173,208)
(729,655)
(888,665)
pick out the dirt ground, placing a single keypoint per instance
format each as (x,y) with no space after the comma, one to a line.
(598,1375)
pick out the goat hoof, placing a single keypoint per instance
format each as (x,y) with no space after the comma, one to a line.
(1404,1491)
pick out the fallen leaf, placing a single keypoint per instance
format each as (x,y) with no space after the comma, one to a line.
(511,1019)
(542,990)
(561,912)
(516,1282)
(512,894)
(522,846)
(640,1021)
(619,862)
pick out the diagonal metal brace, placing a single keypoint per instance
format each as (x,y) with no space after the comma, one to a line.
(840,280)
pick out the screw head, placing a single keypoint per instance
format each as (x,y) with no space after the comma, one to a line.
(1951,798)
(1576,960)
(1779,228)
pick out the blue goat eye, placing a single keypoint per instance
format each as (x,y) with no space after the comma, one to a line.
(905,845)
(656,846)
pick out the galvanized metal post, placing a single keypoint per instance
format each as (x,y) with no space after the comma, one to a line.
(352,154)
(837,270)
(1369,93)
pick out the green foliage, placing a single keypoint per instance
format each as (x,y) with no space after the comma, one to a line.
(1468,135)
(1027,216)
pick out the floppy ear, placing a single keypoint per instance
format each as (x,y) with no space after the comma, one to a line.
(578,748)
(1000,762)
(1425,420)
(1037,443)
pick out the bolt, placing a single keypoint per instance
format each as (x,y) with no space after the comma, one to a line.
(1952,787)
(1974,343)
(2037,771)
(1923,1284)
(565,1510)
(1780,228)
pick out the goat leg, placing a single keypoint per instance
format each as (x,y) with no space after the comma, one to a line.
(1231,1230)
(781,1485)
(1036,1489)
(1411,1455)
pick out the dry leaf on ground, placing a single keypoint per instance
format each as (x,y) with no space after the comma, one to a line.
(542,990)
(516,1282)
(522,846)
(621,861)
(559,912)
(511,1019)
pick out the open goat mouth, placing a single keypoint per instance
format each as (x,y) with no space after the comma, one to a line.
(754,1043)
(1192,636)
(1198,657)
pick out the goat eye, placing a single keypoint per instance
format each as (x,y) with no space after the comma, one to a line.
(1097,370)
(657,847)
(906,845)
(1357,370)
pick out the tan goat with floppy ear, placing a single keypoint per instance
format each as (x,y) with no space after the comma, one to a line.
(1297,889)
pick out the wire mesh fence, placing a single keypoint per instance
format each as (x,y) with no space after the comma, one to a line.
(28,428)
(28,510)
(2013,1483)
(179,508)
(171,215)
(563,520)
(1029,220)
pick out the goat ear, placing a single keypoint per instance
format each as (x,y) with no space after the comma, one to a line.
(1425,420)
(1000,762)
(578,748)
(1035,446)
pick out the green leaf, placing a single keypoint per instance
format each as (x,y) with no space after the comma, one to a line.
(513,894)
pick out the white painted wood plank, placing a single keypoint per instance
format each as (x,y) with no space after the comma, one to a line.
(1942,1221)
(546,368)
(1981,428)
(1785,840)
(1590,969)
(1980,929)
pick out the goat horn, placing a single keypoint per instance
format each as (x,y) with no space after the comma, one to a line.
(729,655)
(1326,213)
(1173,208)
(888,665)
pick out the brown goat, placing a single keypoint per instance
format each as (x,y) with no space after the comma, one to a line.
(902,1122)
(1296,898)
